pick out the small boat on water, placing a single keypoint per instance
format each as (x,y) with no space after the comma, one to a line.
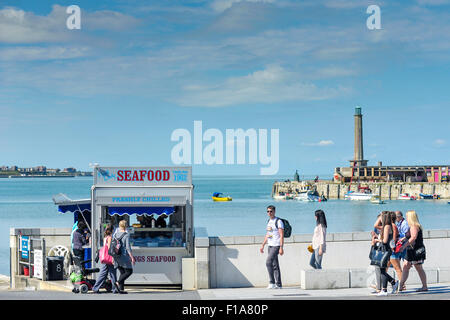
(358,196)
(376,200)
(218,196)
(429,196)
(289,196)
(279,196)
(304,195)
(310,195)
(406,196)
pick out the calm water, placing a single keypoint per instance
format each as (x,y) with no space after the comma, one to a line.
(28,203)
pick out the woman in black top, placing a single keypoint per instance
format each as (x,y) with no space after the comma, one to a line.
(414,243)
(386,235)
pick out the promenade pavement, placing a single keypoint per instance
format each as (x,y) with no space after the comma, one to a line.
(439,291)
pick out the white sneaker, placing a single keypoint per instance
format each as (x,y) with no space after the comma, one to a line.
(395,287)
(277,287)
(271,286)
(382,294)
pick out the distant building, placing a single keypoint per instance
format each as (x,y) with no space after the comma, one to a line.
(69,170)
(359,171)
(6,168)
(40,169)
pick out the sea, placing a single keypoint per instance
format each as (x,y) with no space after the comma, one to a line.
(27,203)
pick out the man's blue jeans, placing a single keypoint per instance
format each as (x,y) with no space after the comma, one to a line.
(273,267)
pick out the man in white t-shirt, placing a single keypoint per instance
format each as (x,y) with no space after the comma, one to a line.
(275,239)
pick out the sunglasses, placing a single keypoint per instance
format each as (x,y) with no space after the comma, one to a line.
(269,210)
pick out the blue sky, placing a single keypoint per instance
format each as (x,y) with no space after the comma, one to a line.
(114,91)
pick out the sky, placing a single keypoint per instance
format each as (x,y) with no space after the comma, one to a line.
(114,91)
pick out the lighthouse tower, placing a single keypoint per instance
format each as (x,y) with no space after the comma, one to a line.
(358,157)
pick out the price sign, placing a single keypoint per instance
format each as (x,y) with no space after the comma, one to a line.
(38,264)
(25,247)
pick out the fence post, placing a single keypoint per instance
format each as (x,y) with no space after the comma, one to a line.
(18,255)
(30,250)
(44,261)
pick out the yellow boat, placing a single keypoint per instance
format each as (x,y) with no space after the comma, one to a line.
(219,197)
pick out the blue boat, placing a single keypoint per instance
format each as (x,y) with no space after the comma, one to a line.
(218,196)
(429,196)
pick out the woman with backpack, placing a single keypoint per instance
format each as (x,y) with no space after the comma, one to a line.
(107,262)
(319,241)
(124,261)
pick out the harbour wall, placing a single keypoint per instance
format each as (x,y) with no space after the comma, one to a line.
(237,261)
(387,191)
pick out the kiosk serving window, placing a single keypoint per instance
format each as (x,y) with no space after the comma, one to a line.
(150,226)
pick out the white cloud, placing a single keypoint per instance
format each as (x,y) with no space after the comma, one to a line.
(349,4)
(42,53)
(333,72)
(222,5)
(19,26)
(439,142)
(321,143)
(271,85)
(433,2)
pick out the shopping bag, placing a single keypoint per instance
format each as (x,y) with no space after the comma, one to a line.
(105,258)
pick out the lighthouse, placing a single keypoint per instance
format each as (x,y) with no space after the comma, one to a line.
(358,157)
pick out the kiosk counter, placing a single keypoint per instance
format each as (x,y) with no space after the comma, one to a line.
(157,204)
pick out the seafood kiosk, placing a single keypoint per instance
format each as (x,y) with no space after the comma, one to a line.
(157,203)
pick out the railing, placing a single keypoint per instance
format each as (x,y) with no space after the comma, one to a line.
(31,256)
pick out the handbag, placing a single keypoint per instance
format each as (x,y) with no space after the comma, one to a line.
(105,258)
(416,254)
(380,257)
(398,246)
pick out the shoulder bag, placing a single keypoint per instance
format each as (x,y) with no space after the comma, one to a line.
(105,258)
(380,257)
(416,254)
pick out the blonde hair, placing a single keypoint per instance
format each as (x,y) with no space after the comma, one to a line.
(413,219)
(122,224)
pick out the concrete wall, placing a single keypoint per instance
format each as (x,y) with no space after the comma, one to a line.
(224,262)
(386,190)
(237,262)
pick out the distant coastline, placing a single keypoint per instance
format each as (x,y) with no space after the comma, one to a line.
(41,172)
(71,175)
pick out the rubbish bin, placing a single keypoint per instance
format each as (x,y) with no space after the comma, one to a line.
(55,268)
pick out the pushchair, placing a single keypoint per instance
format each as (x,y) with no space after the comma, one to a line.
(79,277)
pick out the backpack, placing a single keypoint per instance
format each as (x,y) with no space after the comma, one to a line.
(287,227)
(115,249)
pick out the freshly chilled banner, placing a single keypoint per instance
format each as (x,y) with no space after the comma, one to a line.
(107,176)
(141,200)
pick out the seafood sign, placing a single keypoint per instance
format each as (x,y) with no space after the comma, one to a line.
(143,176)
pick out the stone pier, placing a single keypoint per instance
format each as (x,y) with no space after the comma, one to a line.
(388,191)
